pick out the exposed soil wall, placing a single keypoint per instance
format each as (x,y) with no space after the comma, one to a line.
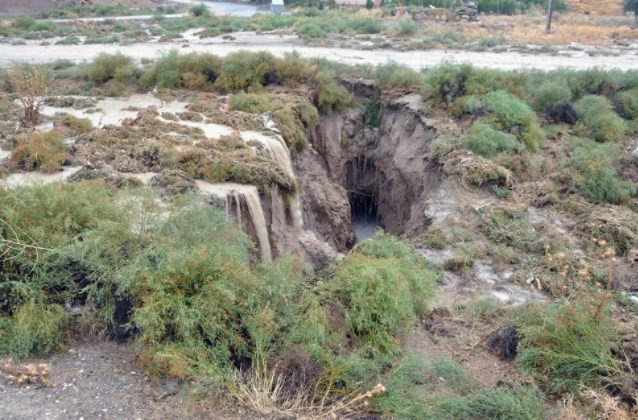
(387,165)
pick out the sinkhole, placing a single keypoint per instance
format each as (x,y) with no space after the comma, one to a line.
(365,215)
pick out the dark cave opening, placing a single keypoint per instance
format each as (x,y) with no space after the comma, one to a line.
(365,215)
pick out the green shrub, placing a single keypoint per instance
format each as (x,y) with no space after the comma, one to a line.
(550,92)
(382,287)
(292,129)
(76,125)
(108,67)
(516,116)
(201,304)
(394,75)
(371,111)
(34,330)
(44,151)
(310,30)
(568,345)
(406,28)
(596,176)
(330,96)
(626,104)
(254,103)
(190,71)
(245,71)
(418,389)
(434,238)
(199,10)
(309,114)
(599,119)
(487,142)
(447,82)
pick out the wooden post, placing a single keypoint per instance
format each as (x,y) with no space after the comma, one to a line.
(549,16)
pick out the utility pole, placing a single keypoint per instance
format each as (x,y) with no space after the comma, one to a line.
(549,16)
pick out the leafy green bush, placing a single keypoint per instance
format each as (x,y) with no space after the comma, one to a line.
(568,345)
(596,176)
(626,104)
(44,151)
(599,119)
(487,142)
(382,287)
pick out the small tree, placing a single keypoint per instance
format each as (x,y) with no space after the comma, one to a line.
(30,85)
(631,6)
(369,4)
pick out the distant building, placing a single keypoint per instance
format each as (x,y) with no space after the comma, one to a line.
(277,7)
(25,7)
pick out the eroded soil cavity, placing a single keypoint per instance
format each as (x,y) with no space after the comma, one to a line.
(379,176)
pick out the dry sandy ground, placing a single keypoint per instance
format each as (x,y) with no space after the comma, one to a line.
(103,381)
(34,53)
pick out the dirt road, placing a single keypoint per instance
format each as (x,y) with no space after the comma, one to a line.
(35,53)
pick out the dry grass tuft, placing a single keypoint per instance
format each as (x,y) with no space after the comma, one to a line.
(25,374)
(267,392)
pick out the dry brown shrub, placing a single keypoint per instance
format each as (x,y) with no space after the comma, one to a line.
(30,85)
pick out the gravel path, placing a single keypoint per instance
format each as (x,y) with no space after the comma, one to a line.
(34,53)
(103,381)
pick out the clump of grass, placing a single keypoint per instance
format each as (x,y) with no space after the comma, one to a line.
(76,125)
(434,238)
(254,103)
(568,345)
(599,119)
(42,151)
(382,287)
(596,177)
(488,142)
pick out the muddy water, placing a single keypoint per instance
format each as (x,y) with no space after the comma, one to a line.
(237,194)
(34,53)
(365,229)
(30,178)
